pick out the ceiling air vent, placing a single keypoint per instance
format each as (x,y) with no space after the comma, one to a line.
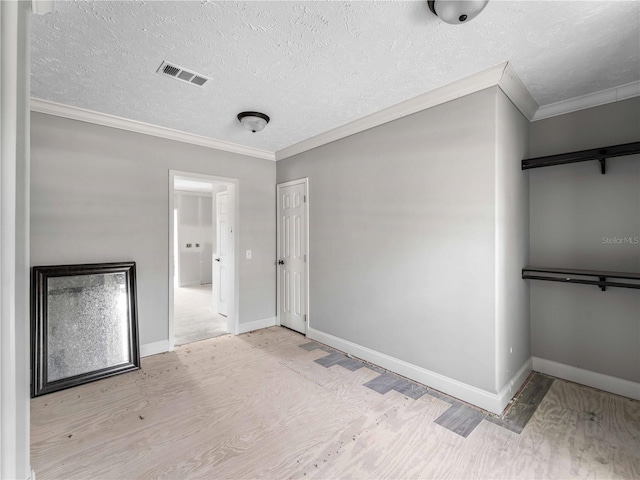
(182,74)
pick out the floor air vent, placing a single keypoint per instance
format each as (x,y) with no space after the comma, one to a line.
(182,74)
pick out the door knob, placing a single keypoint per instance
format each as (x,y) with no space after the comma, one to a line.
(280,262)
(217,259)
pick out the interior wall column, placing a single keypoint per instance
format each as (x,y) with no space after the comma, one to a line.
(14,240)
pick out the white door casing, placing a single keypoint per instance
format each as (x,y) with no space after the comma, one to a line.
(293,255)
(233,189)
(14,240)
(220,263)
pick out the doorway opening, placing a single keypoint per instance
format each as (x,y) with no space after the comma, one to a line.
(202,261)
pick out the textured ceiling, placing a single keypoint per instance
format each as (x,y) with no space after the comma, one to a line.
(313,66)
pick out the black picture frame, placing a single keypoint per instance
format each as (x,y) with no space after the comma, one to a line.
(76,299)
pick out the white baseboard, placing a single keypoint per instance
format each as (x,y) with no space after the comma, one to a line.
(492,402)
(155,348)
(149,349)
(190,283)
(256,325)
(600,381)
(513,385)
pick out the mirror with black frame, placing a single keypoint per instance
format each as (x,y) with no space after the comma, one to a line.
(84,324)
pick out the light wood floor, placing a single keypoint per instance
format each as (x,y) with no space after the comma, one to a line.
(193,315)
(258,406)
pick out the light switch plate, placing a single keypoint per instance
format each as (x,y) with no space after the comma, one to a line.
(248,254)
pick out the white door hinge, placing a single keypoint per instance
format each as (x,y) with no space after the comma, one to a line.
(304,198)
(305,318)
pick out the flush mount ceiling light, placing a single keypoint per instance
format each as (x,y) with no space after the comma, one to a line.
(457,11)
(253,121)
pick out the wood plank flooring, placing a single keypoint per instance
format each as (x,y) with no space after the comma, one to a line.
(259,406)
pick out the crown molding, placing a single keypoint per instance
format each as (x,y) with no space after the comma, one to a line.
(501,75)
(610,95)
(106,120)
(517,92)
(460,88)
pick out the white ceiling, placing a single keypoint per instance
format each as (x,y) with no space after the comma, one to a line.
(313,66)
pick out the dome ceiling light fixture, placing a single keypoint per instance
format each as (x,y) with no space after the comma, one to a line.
(456,12)
(253,121)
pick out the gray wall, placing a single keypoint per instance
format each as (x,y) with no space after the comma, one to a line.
(101,195)
(574,209)
(513,339)
(402,238)
(195,219)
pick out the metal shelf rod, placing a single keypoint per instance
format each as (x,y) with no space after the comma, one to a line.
(601,277)
(599,154)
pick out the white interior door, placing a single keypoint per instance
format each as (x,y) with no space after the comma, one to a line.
(221,260)
(292,255)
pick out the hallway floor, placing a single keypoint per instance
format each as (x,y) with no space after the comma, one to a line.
(193,315)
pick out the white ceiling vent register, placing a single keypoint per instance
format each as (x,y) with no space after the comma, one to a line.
(182,74)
